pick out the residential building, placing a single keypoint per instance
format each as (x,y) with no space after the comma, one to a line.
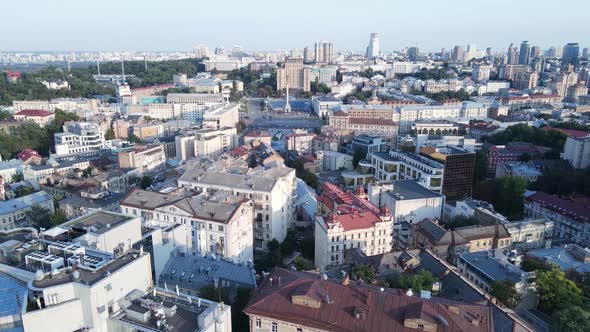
(448,245)
(481,73)
(40,117)
(484,268)
(299,141)
(525,80)
(255,137)
(347,220)
(293,75)
(333,160)
(530,101)
(9,169)
(185,147)
(271,190)
(146,158)
(79,138)
(411,113)
(13,212)
(576,151)
(88,200)
(373,49)
(571,215)
(531,234)
(217,226)
(570,54)
(569,257)
(148,130)
(222,116)
(194,98)
(214,142)
(400,165)
(30,156)
(299,301)
(512,152)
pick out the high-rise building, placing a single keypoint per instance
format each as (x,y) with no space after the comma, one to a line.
(458,169)
(457,54)
(373,50)
(307,55)
(525,52)
(471,52)
(585,53)
(324,52)
(413,53)
(535,51)
(293,75)
(481,73)
(512,56)
(570,55)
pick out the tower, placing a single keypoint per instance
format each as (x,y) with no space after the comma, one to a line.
(525,52)
(373,50)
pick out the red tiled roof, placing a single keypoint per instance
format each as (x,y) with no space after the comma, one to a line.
(26,154)
(340,113)
(577,208)
(34,113)
(352,212)
(357,307)
(569,132)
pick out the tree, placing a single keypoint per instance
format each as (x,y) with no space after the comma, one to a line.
(555,291)
(58,217)
(110,134)
(145,182)
(212,293)
(531,264)
(505,291)
(423,280)
(480,170)
(364,272)
(87,172)
(39,217)
(505,193)
(240,321)
(571,318)
(357,156)
(302,264)
(134,139)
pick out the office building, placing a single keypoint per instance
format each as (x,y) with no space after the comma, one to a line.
(293,75)
(525,52)
(373,49)
(367,144)
(457,54)
(348,220)
(571,51)
(458,164)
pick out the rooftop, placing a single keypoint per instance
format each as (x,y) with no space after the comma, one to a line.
(577,208)
(97,222)
(18,204)
(194,272)
(42,113)
(410,189)
(493,265)
(287,295)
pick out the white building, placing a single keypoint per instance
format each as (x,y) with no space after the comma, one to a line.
(325,105)
(531,234)
(79,137)
(577,151)
(271,190)
(333,160)
(222,116)
(145,158)
(10,168)
(412,113)
(219,227)
(214,142)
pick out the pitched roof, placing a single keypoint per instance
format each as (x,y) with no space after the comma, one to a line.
(356,306)
(43,113)
(577,208)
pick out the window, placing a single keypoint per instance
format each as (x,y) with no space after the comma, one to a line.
(275,327)
(258,323)
(220,228)
(299,329)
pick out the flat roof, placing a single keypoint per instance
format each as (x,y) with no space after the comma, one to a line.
(492,267)
(98,221)
(410,189)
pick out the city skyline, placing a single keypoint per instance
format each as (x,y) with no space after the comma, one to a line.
(73,26)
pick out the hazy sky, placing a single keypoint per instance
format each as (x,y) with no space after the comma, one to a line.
(55,25)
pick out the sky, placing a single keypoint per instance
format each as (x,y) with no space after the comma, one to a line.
(174,25)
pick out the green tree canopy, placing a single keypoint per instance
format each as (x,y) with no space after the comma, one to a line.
(39,217)
(422,280)
(505,291)
(555,291)
(571,318)
(364,272)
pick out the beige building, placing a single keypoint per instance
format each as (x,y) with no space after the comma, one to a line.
(40,117)
(293,75)
(146,158)
(300,141)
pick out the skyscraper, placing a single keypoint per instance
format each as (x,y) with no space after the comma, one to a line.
(512,58)
(373,50)
(307,55)
(570,55)
(457,53)
(413,53)
(535,51)
(323,52)
(525,52)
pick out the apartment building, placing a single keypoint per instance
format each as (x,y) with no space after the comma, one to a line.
(400,165)
(194,98)
(576,151)
(217,226)
(531,234)
(40,117)
(222,116)
(80,137)
(65,104)
(214,142)
(293,75)
(300,141)
(347,220)
(13,212)
(571,215)
(146,158)
(271,190)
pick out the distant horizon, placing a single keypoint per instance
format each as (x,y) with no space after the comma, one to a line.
(178,26)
